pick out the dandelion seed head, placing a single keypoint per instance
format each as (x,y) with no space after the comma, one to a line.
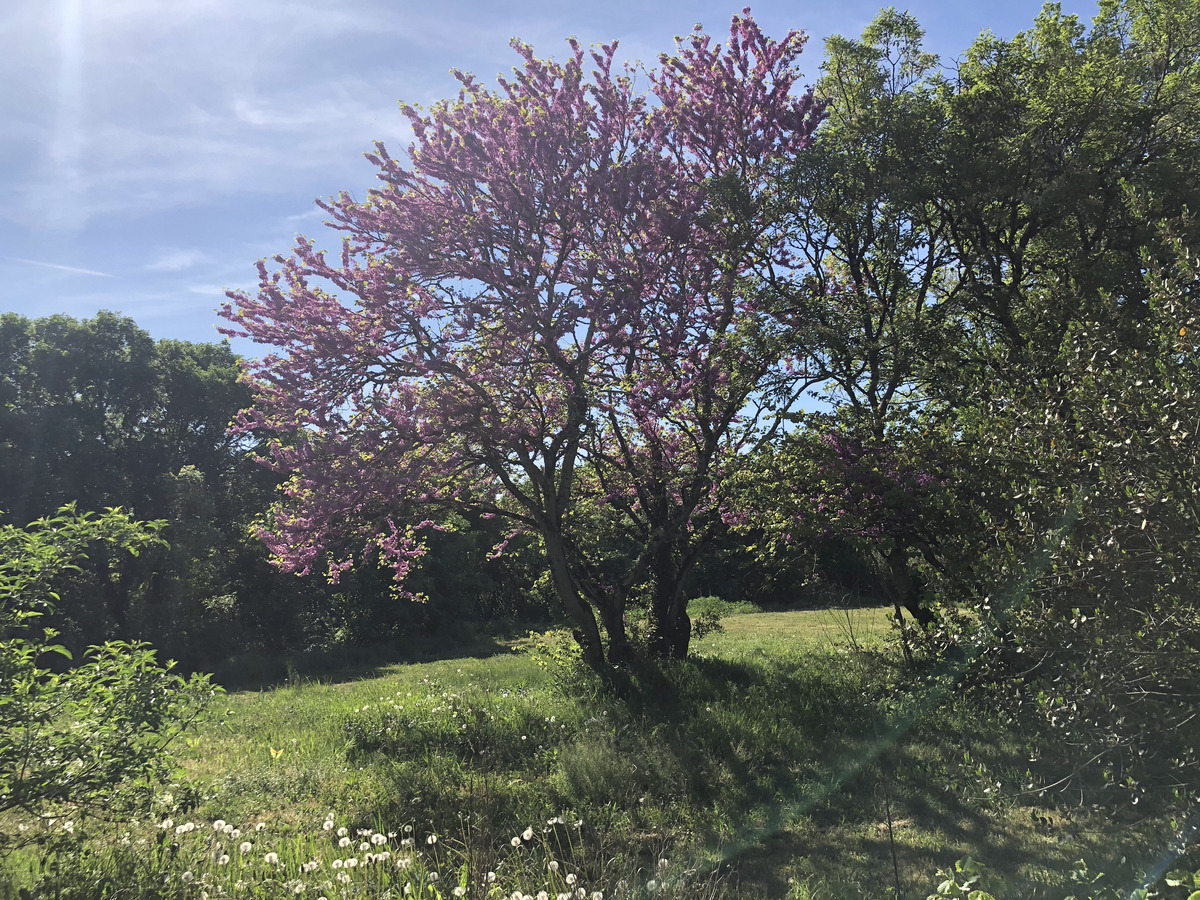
(352,862)
(245,846)
(218,825)
(378,839)
(527,834)
(187,877)
(342,832)
(553,865)
(271,858)
(328,826)
(344,842)
(223,859)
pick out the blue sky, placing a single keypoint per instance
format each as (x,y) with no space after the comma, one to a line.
(153,150)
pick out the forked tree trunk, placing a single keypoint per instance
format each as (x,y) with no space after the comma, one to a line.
(587,632)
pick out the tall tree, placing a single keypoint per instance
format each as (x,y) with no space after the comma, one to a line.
(554,285)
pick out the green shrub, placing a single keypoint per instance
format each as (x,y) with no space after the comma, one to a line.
(72,741)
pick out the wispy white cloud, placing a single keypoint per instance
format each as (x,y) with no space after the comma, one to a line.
(77,270)
(176,260)
(207,290)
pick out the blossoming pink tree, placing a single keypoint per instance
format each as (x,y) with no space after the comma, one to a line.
(558,282)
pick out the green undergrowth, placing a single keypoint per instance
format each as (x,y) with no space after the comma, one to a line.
(792,756)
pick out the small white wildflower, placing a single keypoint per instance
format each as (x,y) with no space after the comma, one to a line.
(516,842)
(328,826)
(236,833)
(553,865)
(378,839)
(223,859)
(337,864)
(271,858)
(344,842)
(433,877)
(342,832)
(527,834)
(363,846)
(227,829)
(218,825)
(432,839)
(571,879)
(408,829)
(351,862)
(245,846)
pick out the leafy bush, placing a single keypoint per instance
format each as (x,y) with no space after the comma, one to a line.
(72,740)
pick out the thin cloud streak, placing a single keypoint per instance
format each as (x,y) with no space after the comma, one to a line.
(46,265)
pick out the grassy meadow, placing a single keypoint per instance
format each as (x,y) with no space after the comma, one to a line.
(792,756)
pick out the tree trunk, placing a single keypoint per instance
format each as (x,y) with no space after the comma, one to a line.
(587,632)
(670,627)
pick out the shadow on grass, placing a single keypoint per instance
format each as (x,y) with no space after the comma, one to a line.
(262,670)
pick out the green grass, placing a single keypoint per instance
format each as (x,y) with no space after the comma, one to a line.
(784,759)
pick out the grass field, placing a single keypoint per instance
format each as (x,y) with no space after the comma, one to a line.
(792,756)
